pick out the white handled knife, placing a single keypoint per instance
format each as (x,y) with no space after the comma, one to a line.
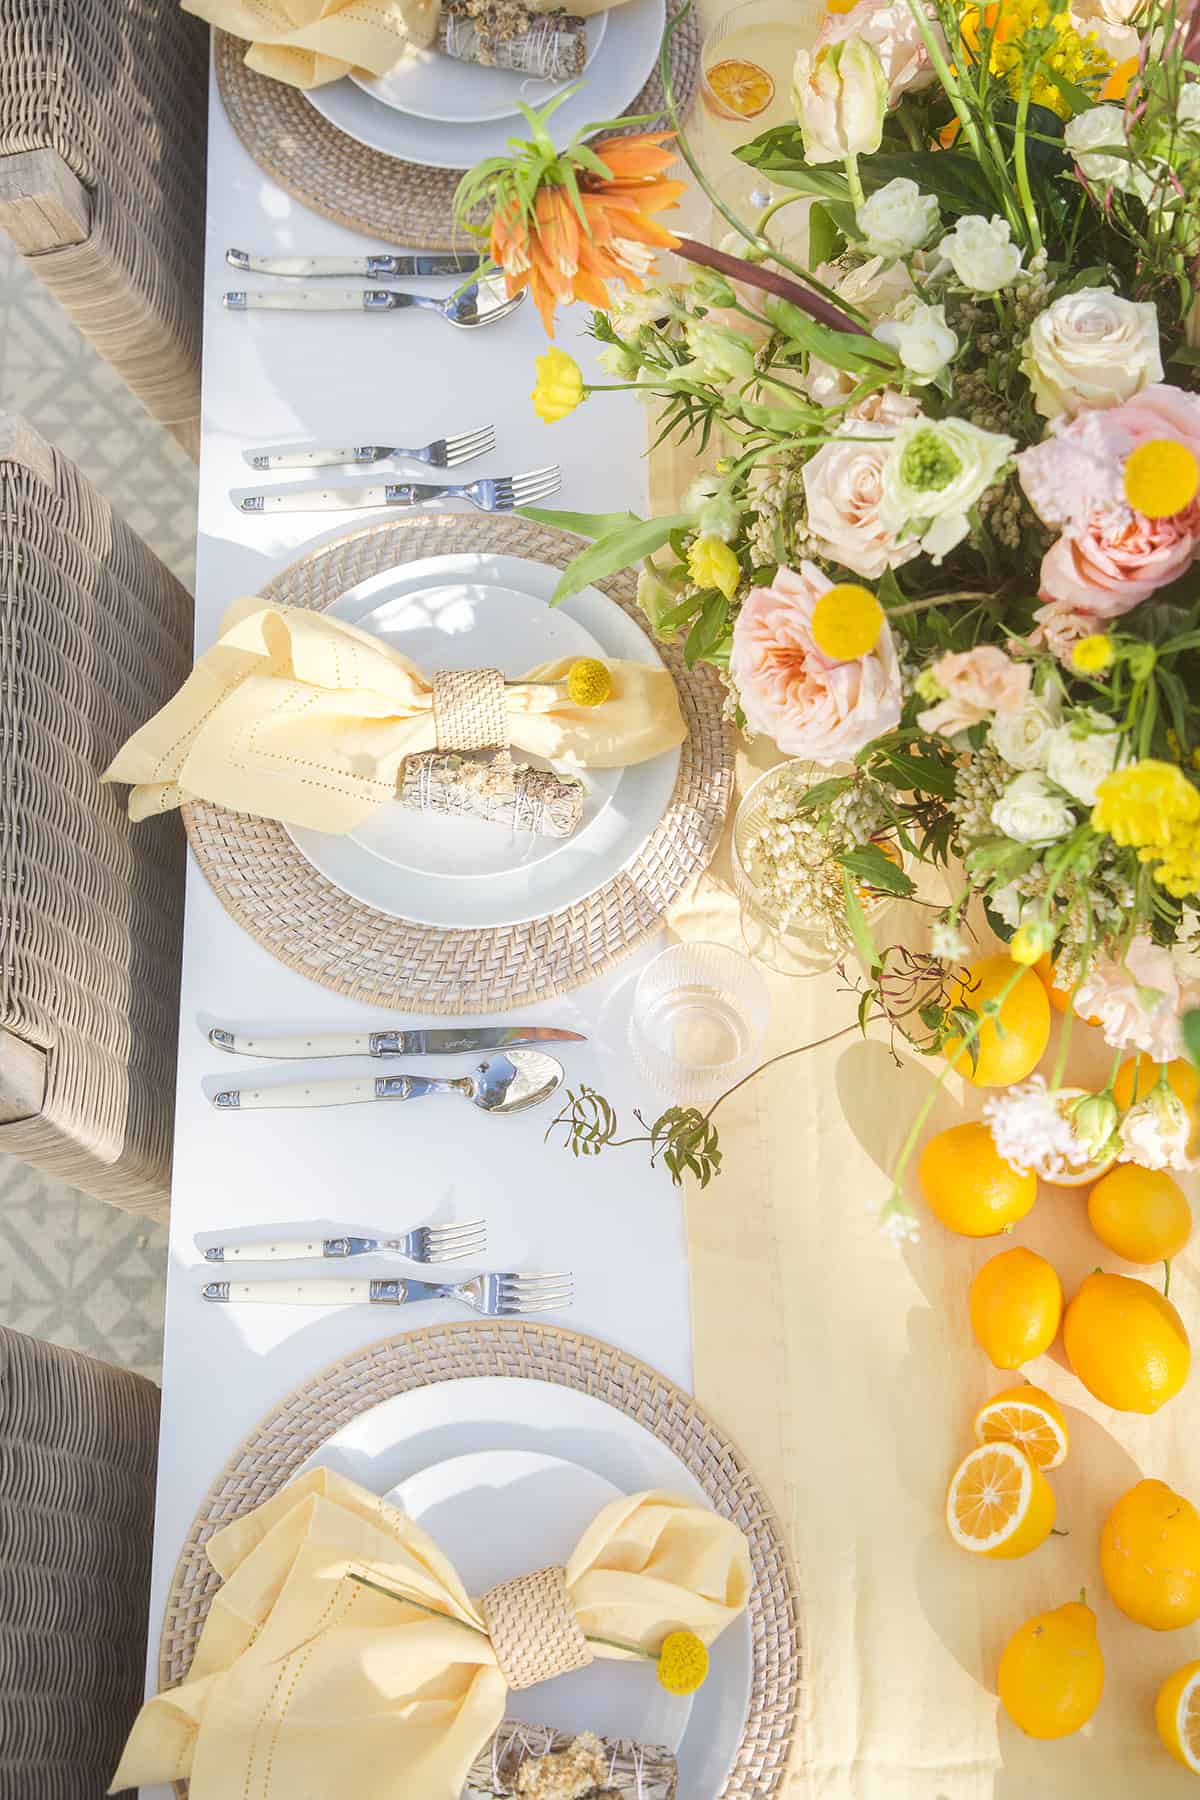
(374,268)
(443,1041)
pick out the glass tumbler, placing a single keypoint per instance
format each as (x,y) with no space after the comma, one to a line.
(700,1015)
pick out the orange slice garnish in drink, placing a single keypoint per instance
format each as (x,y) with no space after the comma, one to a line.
(740,90)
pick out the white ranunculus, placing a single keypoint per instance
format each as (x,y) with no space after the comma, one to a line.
(839,92)
(935,473)
(719,356)
(920,336)
(843,490)
(1091,349)
(617,361)
(1023,737)
(1079,763)
(1091,137)
(1030,812)
(898,218)
(982,254)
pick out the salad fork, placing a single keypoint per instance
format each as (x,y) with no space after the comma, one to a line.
(495,1296)
(456,1242)
(500,493)
(443,453)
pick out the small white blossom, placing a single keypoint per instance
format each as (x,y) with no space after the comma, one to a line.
(1023,737)
(898,1224)
(947,942)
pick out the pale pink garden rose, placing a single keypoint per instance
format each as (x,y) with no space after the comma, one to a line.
(808,704)
(1138,1002)
(1116,558)
(893,34)
(979,684)
(843,487)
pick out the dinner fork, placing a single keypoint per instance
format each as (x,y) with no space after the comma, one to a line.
(443,453)
(495,1296)
(500,493)
(456,1242)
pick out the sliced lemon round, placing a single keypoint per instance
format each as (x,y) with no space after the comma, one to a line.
(1177,1715)
(999,1504)
(739,89)
(1028,1418)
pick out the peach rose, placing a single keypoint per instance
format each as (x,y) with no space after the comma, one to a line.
(976,685)
(843,486)
(807,703)
(1115,558)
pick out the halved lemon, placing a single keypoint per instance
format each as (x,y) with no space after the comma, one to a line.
(999,1504)
(1028,1418)
(1177,1715)
(739,89)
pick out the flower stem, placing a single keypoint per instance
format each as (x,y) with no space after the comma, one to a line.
(754,275)
(854,183)
(1022,167)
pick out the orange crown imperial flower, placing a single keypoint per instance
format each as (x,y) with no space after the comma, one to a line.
(565,223)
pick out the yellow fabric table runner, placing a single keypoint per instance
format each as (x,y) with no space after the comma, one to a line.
(847,1373)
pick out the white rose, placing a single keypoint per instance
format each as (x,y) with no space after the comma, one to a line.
(1079,764)
(1093,132)
(1030,812)
(982,254)
(935,472)
(1023,737)
(843,487)
(920,336)
(1091,349)
(1187,107)
(898,218)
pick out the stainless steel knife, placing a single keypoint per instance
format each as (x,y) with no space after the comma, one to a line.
(439,1042)
(373,267)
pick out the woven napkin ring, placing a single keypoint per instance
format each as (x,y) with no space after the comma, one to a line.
(534,1628)
(468,709)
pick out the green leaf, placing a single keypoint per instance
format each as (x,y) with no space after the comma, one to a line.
(589,525)
(826,239)
(1191,1034)
(822,793)
(708,633)
(870,864)
(917,772)
(1077,98)
(844,349)
(1187,354)
(615,550)
(860,931)
(953,176)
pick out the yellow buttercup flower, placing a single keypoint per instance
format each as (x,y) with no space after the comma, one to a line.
(1161,478)
(846,622)
(1092,655)
(559,385)
(1145,803)
(682,1662)
(589,681)
(712,564)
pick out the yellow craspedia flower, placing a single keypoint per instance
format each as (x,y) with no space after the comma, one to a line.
(1092,655)
(712,564)
(559,385)
(847,621)
(1145,803)
(682,1662)
(589,681)
(1161,478)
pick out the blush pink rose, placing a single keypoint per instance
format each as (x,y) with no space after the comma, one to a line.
(893,34)
(843,488)
(1115,558)
(979,683)
(808,704)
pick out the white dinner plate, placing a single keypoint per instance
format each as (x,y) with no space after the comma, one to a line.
(615,76)
(484,1511)
(397,1439)
(477,610)
(429,85)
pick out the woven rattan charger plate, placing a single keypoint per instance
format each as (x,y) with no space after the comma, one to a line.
(401,202)
(276,894)
(272,1453)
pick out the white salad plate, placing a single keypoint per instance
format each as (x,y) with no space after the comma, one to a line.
(494,1417)
(475,610)
(489,1512)
(615,76)
(430,85)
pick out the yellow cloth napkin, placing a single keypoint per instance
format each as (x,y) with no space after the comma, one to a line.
(295,716)
(304,1680)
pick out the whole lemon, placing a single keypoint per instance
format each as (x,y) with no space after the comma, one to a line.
(1024,1015)
(1052,1672)
(1150,1556)
(1182,1079)
(1015,1304)
(1177,1715)
(968,1185)
(1141,1214)
(1126,1343)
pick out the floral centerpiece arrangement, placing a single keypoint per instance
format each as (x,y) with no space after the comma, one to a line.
(947,543)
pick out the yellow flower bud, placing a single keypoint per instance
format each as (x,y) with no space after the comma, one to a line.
(712,564)
(1030,942)
(559,385)
(589,681)
(1092,655)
